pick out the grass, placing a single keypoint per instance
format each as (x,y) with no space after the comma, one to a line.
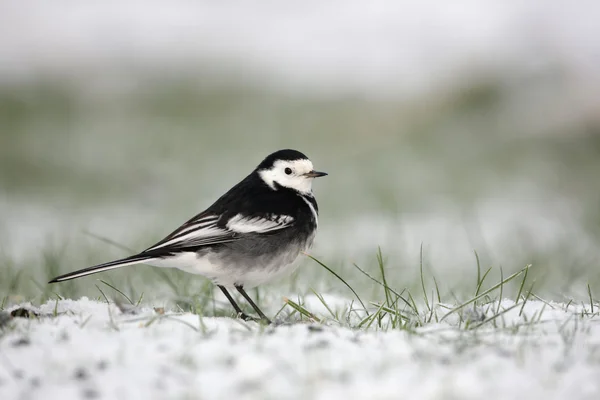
(399,310)
(407,309)
(375,300)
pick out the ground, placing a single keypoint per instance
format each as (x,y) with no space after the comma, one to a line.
(88,349)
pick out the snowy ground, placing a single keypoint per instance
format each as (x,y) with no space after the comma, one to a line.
(86,349)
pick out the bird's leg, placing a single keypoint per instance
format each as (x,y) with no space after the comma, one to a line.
(237,308)
(249,300)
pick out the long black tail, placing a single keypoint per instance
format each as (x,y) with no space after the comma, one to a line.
(137,259)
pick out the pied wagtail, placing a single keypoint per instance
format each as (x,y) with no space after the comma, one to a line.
(249,236)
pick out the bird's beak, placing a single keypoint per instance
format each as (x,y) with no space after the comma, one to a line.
(314,174)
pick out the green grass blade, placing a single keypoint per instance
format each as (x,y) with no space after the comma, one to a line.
(522,285)
(495,316)
(501,290)
(117,290)
(437,290)
(589,289)
(340,278)
(481,281)
(423,279)
(496,286)
(280,310)
(478,268)
(301,310)
(388,298)
(529,293)
(381,284)
(103,295)
(322,300)
(109,241)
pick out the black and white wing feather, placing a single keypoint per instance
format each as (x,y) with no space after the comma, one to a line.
(259,224)
(203,230)
(208,229)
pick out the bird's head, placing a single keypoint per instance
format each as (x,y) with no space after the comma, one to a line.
(290,169)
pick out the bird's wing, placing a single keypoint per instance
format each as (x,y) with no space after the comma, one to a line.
(206,229)
(259,224)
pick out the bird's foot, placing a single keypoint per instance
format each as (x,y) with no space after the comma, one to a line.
(247,317)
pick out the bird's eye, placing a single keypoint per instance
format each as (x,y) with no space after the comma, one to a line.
(288,171)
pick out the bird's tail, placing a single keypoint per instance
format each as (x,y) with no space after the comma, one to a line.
(137,259)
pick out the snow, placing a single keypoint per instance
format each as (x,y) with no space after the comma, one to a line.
(92,350)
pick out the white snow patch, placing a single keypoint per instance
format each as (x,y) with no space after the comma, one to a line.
(91,349)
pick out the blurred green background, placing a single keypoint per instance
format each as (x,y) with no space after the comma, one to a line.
(490,143)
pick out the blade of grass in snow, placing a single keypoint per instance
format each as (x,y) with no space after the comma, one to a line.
(422,278)
(339,277)
(535,296)
(437,290)
(109,241)
(380,283)
(55,311)
(382,271)
(480,283)
(496,315)
(280,310)
(103,295)
(510,278)
(301,310)
(391,310)
(112,324)
(322,300)
(415,308)
(568,304)
(501,289)
(541,312)
(117,290)
(521,286)
(589,289)
(478,269)
(85,321)
(374,316)
(151,320)
(529,292)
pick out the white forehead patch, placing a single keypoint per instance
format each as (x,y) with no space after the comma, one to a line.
(296,180)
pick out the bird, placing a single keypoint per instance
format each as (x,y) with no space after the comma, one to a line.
(251,235)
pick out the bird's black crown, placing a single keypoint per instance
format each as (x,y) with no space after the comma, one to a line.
(286,155)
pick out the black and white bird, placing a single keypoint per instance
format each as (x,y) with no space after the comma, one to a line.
(250,235)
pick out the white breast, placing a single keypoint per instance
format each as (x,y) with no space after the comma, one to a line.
(249,276)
